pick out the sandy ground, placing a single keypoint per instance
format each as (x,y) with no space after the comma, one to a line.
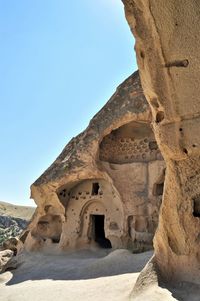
(84,275)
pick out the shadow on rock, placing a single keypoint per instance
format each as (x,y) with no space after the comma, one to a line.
(78,265)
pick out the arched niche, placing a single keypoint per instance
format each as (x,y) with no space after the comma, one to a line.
(49,226)
(132,142)
(94,223)
(130,155)
(92,202)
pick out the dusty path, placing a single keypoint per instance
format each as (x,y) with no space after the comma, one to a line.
(84,275)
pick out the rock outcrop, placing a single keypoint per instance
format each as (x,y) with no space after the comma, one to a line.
(13,220)
(167,49)
(7,260)
(11,227)
(105,188)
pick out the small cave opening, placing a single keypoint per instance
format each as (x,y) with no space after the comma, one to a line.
(160,116)
(95,188)
(55,240)
(196,206)
(99,231)
(153,145)
(158,189)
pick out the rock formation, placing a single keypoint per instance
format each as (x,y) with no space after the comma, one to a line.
(105,188)
(167,49)
(13,220)
(11,227)
(7,261)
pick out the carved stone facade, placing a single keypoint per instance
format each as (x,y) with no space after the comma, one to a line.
(105,188)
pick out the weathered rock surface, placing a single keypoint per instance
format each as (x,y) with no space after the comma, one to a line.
(167,49)
(7,261)
(13,220)
(11,227)
(14,244)
(105,188)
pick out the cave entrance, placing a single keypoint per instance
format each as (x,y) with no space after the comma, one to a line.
(99,231)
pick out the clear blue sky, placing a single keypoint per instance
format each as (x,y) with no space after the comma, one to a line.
(60,62)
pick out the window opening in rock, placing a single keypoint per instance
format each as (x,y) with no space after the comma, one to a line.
(196,206)
(95,188)
(159,116)
(99,231)
(185,151)
(55,240)
(158,189)
(153,145)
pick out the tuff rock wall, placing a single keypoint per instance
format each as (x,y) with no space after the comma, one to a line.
(113,169)
(167,49)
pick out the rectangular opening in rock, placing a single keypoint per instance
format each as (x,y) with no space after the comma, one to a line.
(196,206)
(158,189)
(55,240)
(99,231)
(95,188)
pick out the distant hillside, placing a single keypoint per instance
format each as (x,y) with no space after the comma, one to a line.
(13,219)
(23,212)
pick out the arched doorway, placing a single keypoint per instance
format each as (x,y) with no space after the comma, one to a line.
(94,216)
(94,220)
(97,225)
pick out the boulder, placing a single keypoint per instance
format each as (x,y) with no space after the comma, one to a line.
(7,261)
(11,244)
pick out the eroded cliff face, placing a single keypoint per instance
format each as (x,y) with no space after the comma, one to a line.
(105,188)
(167,49)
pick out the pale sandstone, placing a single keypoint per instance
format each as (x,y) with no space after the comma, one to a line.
(7,261)
(11,244)
(167,49)
(112,170)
